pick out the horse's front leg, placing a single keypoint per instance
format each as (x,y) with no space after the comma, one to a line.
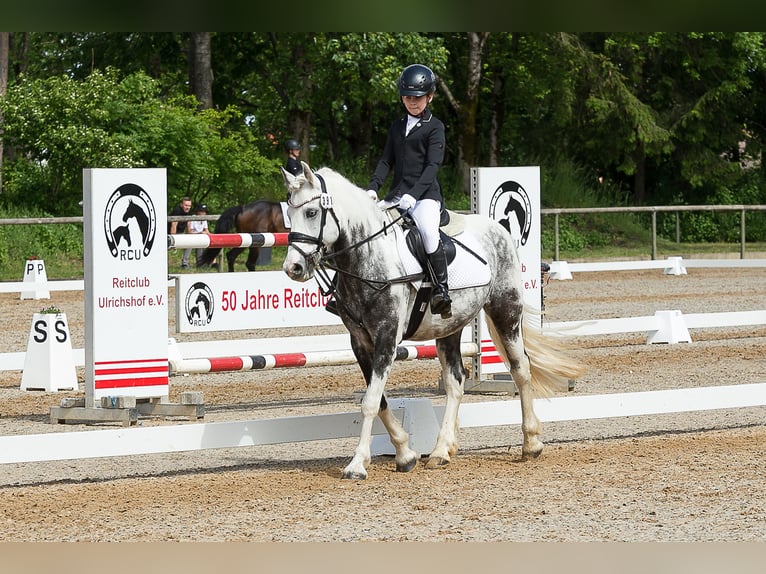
(376,369)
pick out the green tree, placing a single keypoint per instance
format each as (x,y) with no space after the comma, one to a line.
(58,126)
(667,109)
(665,117)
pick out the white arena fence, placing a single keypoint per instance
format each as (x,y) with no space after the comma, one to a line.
(562,270)
(419,416)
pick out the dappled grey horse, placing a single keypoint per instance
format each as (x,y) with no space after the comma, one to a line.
(336,226)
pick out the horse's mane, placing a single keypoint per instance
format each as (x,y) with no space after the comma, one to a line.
(349,198)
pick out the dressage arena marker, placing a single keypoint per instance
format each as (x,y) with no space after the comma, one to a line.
(415,415)
(35,280)
(49,364)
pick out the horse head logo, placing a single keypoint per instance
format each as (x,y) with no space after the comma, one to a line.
(130,223)
(510,206)
(199,304)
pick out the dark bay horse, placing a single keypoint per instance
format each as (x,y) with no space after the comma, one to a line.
(335,225)
(260,216)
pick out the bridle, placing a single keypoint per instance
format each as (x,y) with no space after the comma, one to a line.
(317,256)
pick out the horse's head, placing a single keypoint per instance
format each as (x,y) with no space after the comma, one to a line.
(312,231)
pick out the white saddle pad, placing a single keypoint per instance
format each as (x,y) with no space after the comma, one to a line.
(465,271)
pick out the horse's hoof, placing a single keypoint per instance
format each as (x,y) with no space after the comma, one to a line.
(354,475)
(525,456)
(408,466)
(437,462)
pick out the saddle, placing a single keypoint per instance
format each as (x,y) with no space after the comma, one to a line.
(451,224)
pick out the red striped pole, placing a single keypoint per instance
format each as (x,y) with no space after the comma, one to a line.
(313,359)
(202,240)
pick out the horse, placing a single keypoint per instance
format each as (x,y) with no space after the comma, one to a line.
(336,226)
(260,216)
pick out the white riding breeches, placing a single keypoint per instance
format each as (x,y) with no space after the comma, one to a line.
(427,215)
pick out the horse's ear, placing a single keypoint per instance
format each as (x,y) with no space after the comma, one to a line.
(309,175)
(288,177)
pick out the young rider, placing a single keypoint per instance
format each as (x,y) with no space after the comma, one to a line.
(415,151)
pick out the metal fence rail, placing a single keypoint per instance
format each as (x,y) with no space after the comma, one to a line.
(654,210)
(555,212)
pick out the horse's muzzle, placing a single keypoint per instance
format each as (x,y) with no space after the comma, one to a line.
(297,267)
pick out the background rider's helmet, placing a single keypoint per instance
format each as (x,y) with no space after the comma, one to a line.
(292,144)
(417,80)
(201,207)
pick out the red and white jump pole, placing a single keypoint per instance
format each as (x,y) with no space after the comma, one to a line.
(310,359)
(202,240)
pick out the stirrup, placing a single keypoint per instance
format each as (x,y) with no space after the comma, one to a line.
(441,304)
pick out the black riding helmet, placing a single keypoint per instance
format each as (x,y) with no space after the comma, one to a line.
(417,80)
(292,144)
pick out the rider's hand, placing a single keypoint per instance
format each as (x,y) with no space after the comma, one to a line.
(407,202)
(384,204)
(373,194)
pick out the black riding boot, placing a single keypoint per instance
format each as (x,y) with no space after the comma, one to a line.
(441,304)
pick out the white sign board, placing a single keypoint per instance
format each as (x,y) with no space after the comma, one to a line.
(126,343)
(240,301)
(510,195)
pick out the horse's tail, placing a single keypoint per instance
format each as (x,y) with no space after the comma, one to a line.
(227,223)
(550,366)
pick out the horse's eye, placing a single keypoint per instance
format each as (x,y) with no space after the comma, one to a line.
(311,212)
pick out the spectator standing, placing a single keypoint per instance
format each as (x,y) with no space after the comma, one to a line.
(200,226)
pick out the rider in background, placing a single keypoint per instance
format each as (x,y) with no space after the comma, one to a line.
(415,151)
(293,151)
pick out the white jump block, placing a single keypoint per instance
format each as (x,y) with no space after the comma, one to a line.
(49,364)
(419,422)
(675,266)
(559,270)
(35,280)
(671,266)
(671,328)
